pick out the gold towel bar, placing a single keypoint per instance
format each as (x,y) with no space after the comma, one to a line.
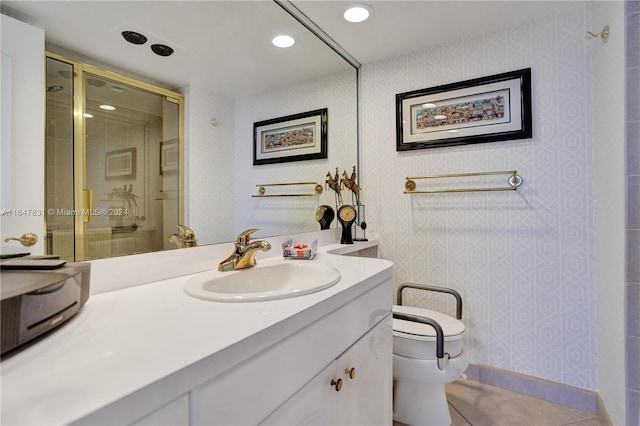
(514,182)
(262,190)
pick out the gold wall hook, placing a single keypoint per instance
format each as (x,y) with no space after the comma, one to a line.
(604,34)
(29,239)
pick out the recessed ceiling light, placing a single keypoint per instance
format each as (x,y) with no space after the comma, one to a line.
(107,107)
(429,105)
(95,82)
(161,49)
(283,41)
(358,13)
(134,37)
(87,115)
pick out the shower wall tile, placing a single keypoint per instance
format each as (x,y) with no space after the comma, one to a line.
(633,310)
(523,261)
(633,147)
(633,200)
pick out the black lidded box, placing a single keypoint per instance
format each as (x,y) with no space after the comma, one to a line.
(34,302)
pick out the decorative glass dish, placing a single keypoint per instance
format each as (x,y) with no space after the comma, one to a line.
(299,250)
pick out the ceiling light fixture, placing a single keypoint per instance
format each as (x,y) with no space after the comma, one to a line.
(283,41)
(134,37)
(107,107)
(161,49)
(358,13)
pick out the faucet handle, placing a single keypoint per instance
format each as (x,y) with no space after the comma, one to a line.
(245,236)
(185,231)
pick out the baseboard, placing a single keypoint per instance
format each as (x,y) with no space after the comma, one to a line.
(558,393)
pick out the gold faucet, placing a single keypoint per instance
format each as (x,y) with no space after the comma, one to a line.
(244,253)
(184,238)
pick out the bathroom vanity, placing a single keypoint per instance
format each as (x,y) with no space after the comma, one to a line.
(148,353)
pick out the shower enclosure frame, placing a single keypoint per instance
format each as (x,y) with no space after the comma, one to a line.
(83,198)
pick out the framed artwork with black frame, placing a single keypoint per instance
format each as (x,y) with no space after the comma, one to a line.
(120,164)
(486,109)
(169,157)
(296,137)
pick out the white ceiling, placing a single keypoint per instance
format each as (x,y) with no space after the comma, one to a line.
(233,56)
(220,45)
(401,26)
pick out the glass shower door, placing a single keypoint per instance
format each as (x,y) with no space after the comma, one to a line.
(122,152)
(131,168)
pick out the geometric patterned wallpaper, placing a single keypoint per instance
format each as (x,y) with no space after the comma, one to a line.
(524,261)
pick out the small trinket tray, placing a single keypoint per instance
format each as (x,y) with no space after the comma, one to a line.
(299,250)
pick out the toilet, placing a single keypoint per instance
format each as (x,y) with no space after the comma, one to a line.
(419,376)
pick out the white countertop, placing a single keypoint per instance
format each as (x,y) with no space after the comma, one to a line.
(130,339)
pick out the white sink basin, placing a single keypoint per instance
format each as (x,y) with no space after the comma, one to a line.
(288,278)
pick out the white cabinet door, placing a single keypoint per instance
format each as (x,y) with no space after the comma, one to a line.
(365,399)
(342,396)
(314,404)
(22,145)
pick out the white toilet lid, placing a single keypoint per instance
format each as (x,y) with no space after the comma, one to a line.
(450,326)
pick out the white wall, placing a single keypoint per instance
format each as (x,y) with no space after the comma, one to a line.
(220,158)
(209,153)
(283,215)
(609,150)
(524,261)
(22,147)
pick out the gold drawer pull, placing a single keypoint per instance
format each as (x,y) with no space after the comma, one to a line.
(351,372)
(337,384)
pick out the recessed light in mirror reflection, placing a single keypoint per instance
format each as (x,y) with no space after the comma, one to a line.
(87,115)
(358,13)
(107,107)
(283,41)
(429,105)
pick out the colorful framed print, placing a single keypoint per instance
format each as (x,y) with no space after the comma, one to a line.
(295,137)
(487,109)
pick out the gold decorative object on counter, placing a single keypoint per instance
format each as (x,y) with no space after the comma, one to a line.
(349,182)
(324,216)
(334,183)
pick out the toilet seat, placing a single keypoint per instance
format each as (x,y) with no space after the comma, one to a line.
(417,340)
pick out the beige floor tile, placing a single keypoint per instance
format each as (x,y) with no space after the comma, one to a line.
(456,418)
(484,405)
(475,404)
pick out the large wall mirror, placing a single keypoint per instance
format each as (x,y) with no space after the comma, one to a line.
(231,77)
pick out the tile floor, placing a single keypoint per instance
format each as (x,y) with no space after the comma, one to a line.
(477,404)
